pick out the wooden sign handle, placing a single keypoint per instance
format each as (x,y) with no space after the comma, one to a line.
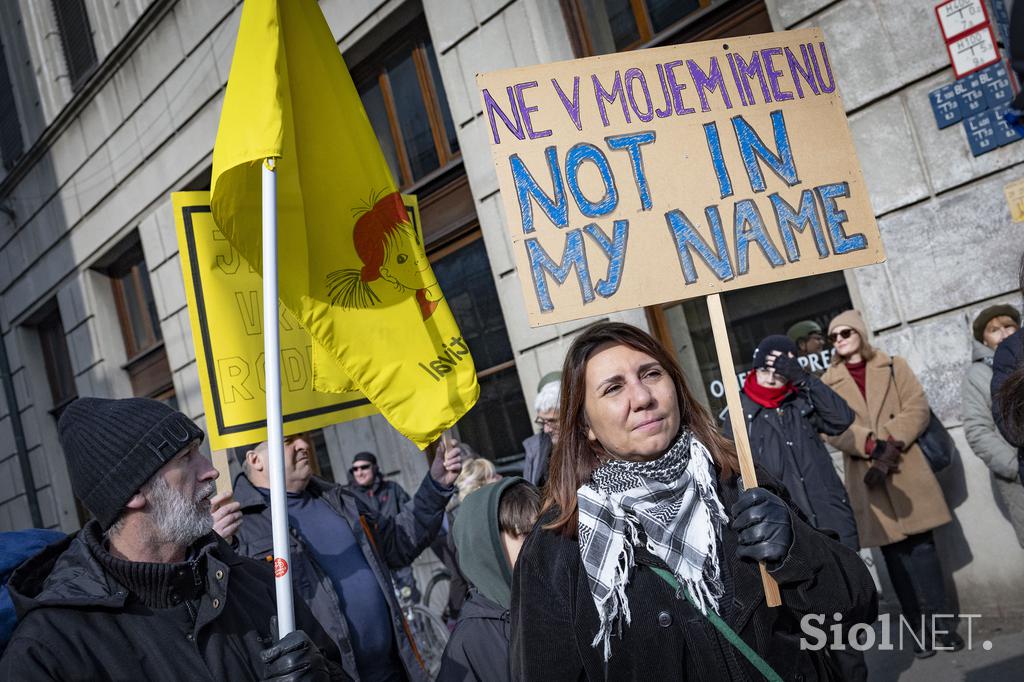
(739,425)
(220,463)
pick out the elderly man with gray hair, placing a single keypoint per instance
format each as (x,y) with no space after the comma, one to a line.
(538,446)
(146,590)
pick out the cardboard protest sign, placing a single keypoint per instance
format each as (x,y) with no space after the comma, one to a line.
(651,176)
(225,304)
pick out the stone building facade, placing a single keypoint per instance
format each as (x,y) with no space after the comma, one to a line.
(109,107)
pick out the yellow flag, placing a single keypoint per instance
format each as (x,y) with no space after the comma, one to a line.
(351,265)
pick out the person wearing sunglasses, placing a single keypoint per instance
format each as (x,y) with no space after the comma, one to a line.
(386,498)
(896,498)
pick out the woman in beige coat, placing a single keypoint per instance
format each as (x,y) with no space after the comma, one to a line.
(895,497)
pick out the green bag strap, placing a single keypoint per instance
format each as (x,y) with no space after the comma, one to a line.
(720,625)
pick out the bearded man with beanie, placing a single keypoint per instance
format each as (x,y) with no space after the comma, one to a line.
(146,590)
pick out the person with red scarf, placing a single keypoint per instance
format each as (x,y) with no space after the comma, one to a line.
(786,409)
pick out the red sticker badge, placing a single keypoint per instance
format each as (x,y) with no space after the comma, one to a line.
(280,567)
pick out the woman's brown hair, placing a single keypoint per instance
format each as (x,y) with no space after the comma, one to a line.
(575,457)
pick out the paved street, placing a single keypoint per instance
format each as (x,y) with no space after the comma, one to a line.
(1004,661)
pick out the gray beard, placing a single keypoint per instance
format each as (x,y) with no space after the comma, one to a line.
(180,520)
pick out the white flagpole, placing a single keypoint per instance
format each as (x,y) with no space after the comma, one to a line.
(275,439)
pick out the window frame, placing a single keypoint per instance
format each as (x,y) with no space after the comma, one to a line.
(711,20)
(412,40)
(62,10)
(12,142)
(146,363)
(133,348)
(53,340)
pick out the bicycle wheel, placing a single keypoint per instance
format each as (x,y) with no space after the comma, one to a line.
(431,636)
(435,596)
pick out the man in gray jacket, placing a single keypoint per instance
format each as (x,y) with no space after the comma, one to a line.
(992,325)
(538,446)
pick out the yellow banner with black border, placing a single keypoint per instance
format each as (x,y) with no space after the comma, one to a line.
(225,304)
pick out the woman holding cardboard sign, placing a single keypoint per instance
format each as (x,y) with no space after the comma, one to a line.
(895,497)
(643,565)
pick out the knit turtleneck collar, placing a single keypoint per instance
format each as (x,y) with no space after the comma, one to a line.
(157,585)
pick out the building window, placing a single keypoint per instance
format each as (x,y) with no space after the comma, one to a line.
(57,361)
(11,143)
(498,423)
(147,364)
(76,38)
(405,100)
(320,462)
(605,26)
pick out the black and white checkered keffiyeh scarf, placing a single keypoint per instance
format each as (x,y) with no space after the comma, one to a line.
(674,502)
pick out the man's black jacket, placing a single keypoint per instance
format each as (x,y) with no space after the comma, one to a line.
(77,622)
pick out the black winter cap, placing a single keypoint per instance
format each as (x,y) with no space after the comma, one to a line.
(772,343)
(365,457)
(113,447)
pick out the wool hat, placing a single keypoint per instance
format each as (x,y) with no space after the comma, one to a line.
(549,378)
(775,342)
(803,329)
(365,457)
(853,320)
(993,311)
(113,447)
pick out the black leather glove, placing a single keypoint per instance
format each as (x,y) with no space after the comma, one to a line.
(885,459)
(294,659)
(764,526)
(786,366)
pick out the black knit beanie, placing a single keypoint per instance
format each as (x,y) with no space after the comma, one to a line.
(772,343)
(113,447)
(365,457)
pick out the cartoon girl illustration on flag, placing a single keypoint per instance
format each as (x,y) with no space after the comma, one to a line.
(390,249)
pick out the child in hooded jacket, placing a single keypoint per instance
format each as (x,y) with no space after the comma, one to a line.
(492,525)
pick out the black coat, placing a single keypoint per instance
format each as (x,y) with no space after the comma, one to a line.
(1008,358)
(79,623)
(478,648)
(388,497)
(786,443)
(554,619)
(392,542)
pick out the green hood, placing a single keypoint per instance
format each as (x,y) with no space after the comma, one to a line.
(478,543)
